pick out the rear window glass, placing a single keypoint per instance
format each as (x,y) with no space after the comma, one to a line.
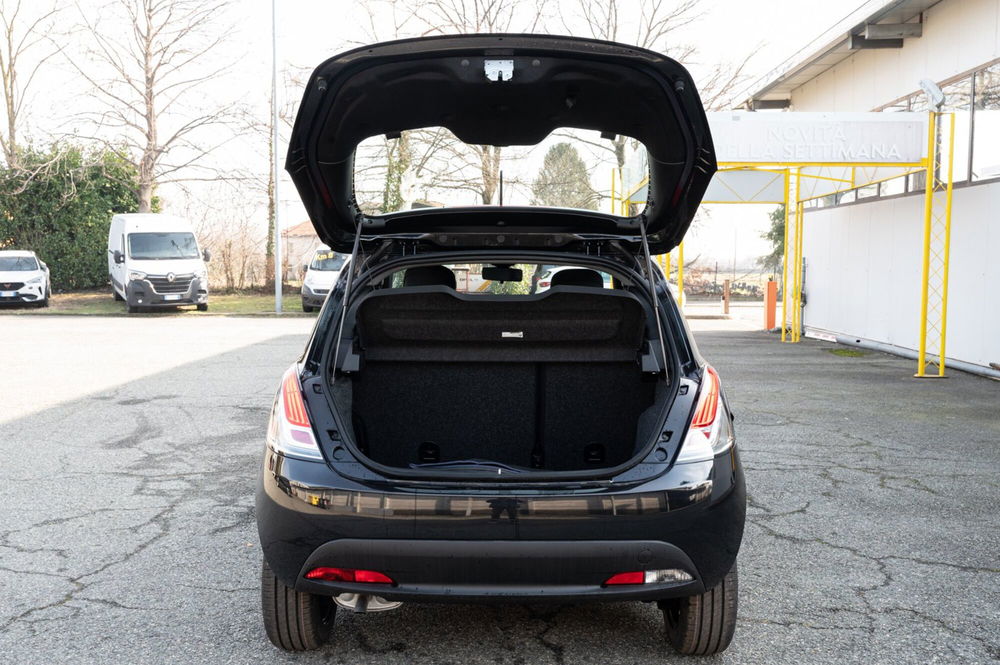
(517,279)
(571,168)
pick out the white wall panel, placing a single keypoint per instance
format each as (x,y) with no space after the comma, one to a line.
(863,271)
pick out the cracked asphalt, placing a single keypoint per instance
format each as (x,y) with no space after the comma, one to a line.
(127,535)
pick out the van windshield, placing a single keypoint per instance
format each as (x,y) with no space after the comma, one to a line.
(327,261)
(153,246)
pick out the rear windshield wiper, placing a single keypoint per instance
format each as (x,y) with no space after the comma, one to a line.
(470,464)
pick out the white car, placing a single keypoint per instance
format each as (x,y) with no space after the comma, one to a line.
(24,278)
(321,274)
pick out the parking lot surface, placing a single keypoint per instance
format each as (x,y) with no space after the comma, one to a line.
(127,533)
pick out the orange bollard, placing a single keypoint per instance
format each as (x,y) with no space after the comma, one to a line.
(770,304)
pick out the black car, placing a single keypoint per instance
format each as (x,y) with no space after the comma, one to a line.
(489,443)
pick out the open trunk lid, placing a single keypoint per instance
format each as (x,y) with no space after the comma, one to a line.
(501,89)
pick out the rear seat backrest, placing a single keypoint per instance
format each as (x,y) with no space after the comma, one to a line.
(578,277)
(429,276)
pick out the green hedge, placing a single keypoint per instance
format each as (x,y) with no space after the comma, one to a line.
(59,204)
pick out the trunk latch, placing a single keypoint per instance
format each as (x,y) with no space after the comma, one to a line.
(499,70)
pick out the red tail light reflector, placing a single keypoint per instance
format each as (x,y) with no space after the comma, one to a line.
(295,407)
(708,400)
(348,575)
(635,577)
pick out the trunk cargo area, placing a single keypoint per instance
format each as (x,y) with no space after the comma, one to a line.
(549,381)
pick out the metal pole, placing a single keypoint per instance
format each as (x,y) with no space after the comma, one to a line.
(784,269)
(947,241)
(680,274)
(925,259)
(274,165)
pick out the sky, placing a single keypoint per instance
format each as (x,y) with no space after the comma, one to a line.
(309,31)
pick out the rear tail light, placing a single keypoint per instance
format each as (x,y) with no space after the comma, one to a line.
(348,575)
(545,283)
(290,431)
(668,575)
(711,431)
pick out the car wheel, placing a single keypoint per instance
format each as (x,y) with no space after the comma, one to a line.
(117,296)
(294,620)
(704,624)
(203,307)
(307,308)
(132,309)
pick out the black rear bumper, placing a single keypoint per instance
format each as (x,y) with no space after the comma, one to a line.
(499,570)
(498,545)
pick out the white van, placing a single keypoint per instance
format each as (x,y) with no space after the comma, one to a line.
(154,261)
(321,274)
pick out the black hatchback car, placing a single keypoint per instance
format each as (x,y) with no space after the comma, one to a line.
(458,430)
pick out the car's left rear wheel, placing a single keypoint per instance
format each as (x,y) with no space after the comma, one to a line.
(294,620)
(703,625)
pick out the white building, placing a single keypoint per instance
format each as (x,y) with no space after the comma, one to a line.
(862,248)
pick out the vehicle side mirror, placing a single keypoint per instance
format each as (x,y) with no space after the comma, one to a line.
(305,267)
(119,257)
(206,255)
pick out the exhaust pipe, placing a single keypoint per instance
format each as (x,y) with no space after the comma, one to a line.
(363,602)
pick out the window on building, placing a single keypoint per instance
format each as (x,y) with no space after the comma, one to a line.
(986,132)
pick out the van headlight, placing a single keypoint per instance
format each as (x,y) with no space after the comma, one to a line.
(134,275)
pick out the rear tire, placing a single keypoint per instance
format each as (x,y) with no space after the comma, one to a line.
(131,309)
(294,620)
(703,625)
(117,296)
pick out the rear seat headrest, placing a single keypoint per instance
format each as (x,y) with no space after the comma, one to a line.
(578,277)
(429,276)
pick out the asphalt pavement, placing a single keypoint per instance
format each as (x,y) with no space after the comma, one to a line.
(130,449)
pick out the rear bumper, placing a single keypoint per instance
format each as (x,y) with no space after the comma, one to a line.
(506,544)
(140,293)
(498,570)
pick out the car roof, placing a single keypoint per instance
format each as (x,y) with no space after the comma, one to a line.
(16,252)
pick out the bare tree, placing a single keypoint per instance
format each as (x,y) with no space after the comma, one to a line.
(160,56)
(657,27)
(23,37)
(475,16)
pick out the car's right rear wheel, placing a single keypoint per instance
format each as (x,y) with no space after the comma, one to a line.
(294,620)
(704,624)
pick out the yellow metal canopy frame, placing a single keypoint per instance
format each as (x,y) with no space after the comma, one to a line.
(795,183)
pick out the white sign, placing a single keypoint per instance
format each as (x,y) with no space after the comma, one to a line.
(746,187)
(810,138)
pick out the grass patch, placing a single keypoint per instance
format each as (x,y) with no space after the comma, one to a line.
(848,353)
(100,303)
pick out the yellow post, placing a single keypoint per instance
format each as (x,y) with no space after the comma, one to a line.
(799,228)
(784,268)
(947,241)
(928,218)
(680,274)
(666,265)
